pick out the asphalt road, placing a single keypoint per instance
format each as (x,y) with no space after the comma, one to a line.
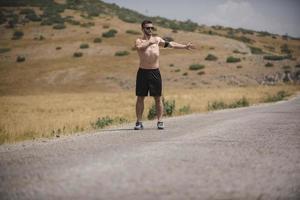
(247,153)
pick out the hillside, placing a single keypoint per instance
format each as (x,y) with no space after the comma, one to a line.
(68,66)
(48,33)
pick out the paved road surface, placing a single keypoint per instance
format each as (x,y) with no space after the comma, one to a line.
(247,153)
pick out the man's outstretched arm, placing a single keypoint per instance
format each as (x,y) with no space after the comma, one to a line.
(176,45)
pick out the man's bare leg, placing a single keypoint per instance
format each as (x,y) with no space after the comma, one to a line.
(159,107)
(139,108)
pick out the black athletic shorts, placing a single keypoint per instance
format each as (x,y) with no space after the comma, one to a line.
(148,80)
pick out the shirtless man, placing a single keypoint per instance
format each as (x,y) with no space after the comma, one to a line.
(148,76)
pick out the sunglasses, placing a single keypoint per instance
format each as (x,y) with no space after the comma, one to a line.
(149,28)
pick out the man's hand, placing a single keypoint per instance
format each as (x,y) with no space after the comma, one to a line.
(189,46)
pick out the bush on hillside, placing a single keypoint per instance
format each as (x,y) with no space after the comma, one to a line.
(232,59)
(256,50)
(196,67)
(17,35)
(211,57)
(201,73)
(84,46)
(87,25)
(110,33)
(21,58)
(133,32)
(276,58)
(97,40)
(77,54)
(121,53)
(59,26)
(269,64)
(4,50)
(72,22)
(263,34)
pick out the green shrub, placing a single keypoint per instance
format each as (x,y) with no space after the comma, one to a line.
(121,53)
(201,73)
(77,54)
(239,103)
(21,58)
(277,97)
(177,70)
(276,58)
(185,110)
(269,64)
(33,17)
(4,50)
(239,66)
(218,105)
(72,22)
(97,40)
(263,34)
(244,39)
(169,109)
(84,46)
(110,33)
(59,26)
(211,57)
(196,67)
(87,25)
(133,32)
(17,35)
(30,14)
(232,59)
(256,50)
(185,74)
(171,65)
(102,122)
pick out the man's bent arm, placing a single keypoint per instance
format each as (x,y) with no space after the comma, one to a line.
(142,45)
(176,45)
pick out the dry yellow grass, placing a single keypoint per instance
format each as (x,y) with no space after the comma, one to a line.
(54,93)
(28,117)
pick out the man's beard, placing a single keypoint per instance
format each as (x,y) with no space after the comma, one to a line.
(147,33)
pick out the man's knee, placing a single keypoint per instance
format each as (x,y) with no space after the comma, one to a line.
(157,99)
(140,99)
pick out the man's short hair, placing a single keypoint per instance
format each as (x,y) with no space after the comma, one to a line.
(146,22)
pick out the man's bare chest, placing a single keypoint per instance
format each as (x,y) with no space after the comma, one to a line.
(152,50)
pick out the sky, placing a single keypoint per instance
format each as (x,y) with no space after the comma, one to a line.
(275,16)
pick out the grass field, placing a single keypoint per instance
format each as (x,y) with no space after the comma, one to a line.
(53,93)
(51,115)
